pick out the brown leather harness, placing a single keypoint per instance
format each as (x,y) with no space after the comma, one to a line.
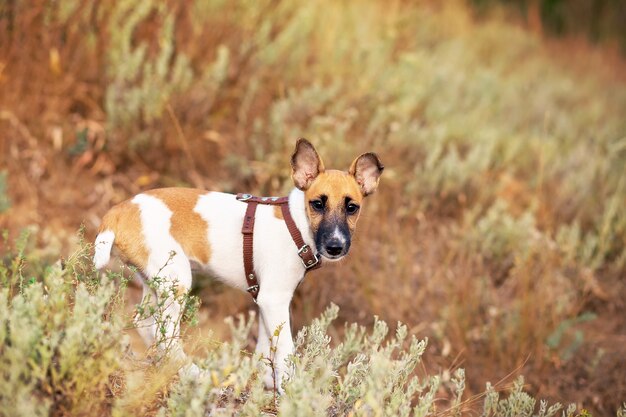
(309,258)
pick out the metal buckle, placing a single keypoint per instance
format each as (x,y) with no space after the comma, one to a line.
(254,287)
(304,249)
(244,197)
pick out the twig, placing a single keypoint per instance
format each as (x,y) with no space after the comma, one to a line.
(181,137)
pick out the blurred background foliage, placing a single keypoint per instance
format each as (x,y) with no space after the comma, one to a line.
(599,20)
(500,226)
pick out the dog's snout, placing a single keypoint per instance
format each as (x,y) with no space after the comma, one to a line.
(333,240)
(334,248)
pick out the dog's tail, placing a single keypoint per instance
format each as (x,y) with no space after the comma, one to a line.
(103,245)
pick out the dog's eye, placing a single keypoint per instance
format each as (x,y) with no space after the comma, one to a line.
(317,205)
(352,208)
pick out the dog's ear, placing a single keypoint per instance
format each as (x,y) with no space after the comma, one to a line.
(306,164)
(367,169)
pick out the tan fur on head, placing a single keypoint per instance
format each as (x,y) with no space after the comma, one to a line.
(336,186)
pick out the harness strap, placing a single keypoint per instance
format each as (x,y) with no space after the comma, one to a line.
(248,243)
(310,260)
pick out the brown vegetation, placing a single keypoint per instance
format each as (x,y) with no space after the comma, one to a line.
(499,228)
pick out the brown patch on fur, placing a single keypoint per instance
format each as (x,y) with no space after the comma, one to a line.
(188,228)
(181,291)
(336,186)
(124,220)
(278,213)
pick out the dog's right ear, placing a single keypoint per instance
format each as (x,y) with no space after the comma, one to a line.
(306,164)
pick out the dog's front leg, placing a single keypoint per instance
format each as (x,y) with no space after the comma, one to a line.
(275,332)
(263,350)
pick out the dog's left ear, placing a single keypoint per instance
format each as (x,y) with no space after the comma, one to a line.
(367,169)
(306,164)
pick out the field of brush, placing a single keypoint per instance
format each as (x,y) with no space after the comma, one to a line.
(498,232)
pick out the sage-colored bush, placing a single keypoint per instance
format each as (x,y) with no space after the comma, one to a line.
(61,338)
(64,351)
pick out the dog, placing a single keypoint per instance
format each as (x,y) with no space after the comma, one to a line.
(169,232)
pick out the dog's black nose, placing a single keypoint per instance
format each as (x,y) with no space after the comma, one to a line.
(334,249)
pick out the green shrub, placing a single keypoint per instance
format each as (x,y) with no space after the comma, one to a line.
(64,351)
(520,404)
(61,339)
(142,83)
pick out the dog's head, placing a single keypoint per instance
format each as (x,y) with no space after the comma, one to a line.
(333,198)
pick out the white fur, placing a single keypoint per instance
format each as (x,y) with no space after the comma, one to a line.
(102,247)
(338,235)
(273,245)
(166,257)
(277,265)
(224,216)
(166,260)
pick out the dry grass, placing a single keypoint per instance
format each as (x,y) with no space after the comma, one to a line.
(500,219)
